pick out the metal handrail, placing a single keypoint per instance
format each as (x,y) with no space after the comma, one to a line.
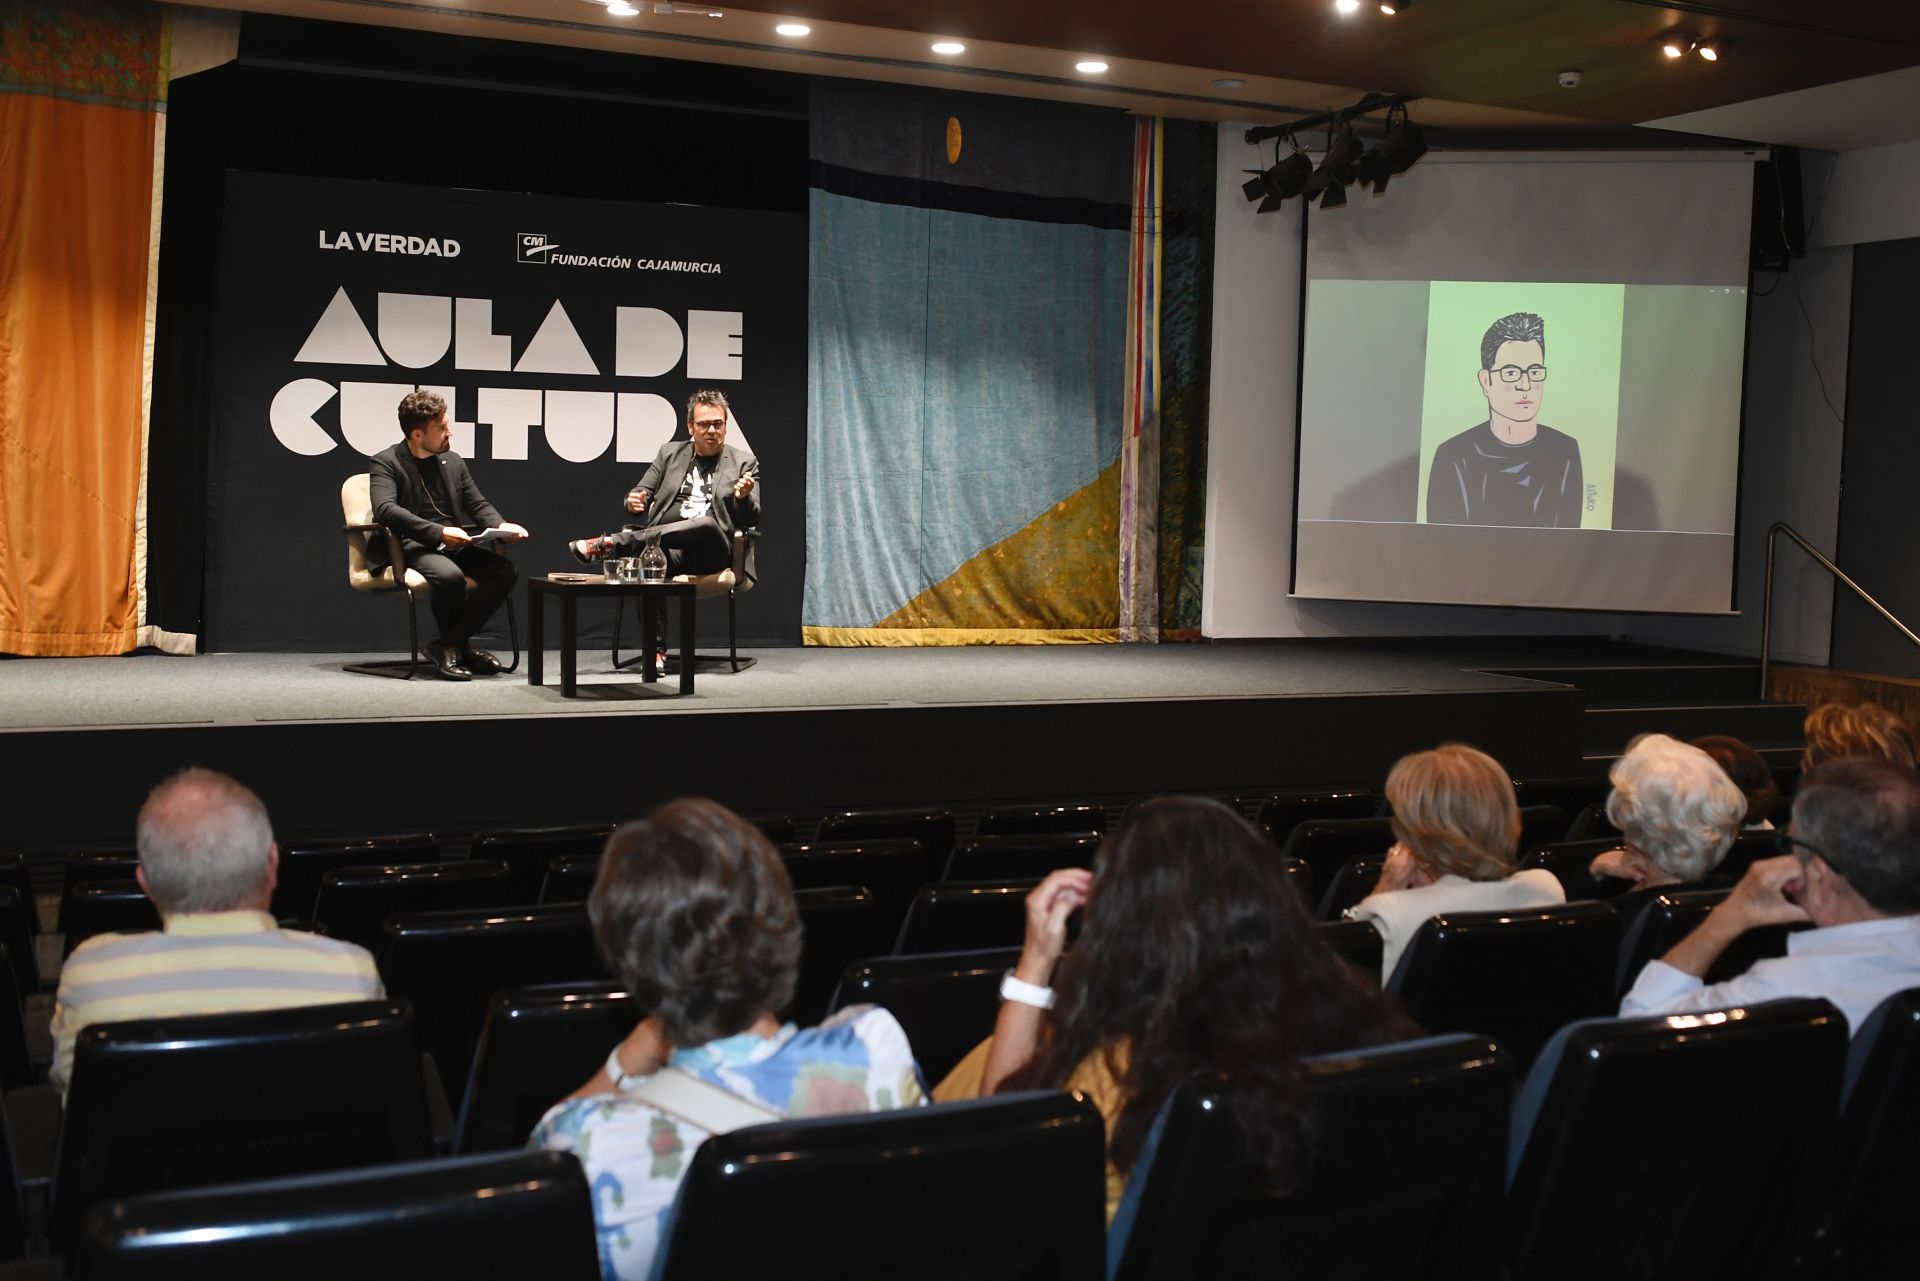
(1840,575)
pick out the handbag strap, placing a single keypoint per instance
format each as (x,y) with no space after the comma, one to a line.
(701,1103)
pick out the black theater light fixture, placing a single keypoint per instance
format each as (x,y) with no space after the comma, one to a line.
(1285,179)
(1329,181)
(1396,152)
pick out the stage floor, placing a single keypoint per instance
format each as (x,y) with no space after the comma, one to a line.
(267,689)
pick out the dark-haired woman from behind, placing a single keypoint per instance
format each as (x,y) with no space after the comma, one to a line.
(1194,954)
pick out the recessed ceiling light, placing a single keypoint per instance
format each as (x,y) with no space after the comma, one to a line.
(948,47)
(1676,44)
(793,29)
(1229,82)
(1093,66)
(1346,6)
(1709,49)
(621,9)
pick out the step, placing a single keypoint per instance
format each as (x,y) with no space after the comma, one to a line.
(1609,728)
(1652,683)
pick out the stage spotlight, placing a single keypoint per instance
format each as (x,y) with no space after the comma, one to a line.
(1336,167)
(1708,49)
(1287,178)
(1391,7)
(1336,196)
(1346,6)
(1677,44)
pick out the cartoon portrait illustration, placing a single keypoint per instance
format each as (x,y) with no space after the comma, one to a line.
(1511,469)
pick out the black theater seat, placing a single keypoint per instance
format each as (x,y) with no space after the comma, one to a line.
(1666,920)
(1325,844)
(538,1045)
(527,1214)
(354,902)
(891,868)
(302,865)
(107,907)
(528,850)
(1281,812)
(1403,1177)
(962,916)
(932,828)
(1569,860)
(839,924)
(995,858)
(945,1001)
(1353,882)
(1071,819)
(1516,976)
(1005,1187)
(1868,1190)
(450,964)
(109,865)
(1672,1147)
(216,1098)
(570,878)
(1358,944)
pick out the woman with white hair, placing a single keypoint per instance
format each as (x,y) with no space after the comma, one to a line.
(1679,814)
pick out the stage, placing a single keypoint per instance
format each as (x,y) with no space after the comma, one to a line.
(802,731)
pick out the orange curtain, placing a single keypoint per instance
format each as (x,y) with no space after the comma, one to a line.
(81,91)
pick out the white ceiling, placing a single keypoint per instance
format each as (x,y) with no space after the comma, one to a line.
(1869,112)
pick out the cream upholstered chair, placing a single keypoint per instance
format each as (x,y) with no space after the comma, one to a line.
(730,582)
(356,508)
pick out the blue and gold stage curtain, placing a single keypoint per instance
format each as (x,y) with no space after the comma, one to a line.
(1185,359)
(968,371)
(82,91)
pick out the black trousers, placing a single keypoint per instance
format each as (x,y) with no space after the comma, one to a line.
(697,546)
(459,612)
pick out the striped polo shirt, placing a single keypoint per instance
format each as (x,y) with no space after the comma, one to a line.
(202,963)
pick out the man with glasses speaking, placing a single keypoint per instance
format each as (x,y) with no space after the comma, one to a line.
(1512,469)
(1852,871)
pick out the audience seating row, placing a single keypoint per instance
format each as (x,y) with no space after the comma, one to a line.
(1752,1144)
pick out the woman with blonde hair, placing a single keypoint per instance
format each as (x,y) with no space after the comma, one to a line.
(1457,827)
(1839,731)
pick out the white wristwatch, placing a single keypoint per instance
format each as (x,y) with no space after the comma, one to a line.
(623,1081)
(1016,989)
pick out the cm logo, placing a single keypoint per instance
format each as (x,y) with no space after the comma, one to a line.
(532,246)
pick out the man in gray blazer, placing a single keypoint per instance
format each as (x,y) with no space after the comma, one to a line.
(691,500)
(423,491)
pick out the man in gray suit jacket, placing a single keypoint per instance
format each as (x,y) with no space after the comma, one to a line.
(423,491)
(691,500)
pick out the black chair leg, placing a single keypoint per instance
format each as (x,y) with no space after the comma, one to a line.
(513,638)
(394,667)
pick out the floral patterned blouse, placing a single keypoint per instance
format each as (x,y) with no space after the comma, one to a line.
(634,1154)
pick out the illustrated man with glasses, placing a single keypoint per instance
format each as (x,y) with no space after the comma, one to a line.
(691,500)
(1852,871)
(1512,469)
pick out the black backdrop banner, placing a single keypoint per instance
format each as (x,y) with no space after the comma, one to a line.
(566,334)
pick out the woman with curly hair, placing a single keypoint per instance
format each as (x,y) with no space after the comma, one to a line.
(1195,954)
(1678,813)
(1457,828)
(694,912)
(1842,731)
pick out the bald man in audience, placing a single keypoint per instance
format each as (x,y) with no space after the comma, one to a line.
(208,861)
(1852,871)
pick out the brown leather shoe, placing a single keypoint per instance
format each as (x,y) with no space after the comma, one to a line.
(446,661)
(480,662)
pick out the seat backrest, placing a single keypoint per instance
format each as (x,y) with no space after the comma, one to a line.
(1008,1187)
(1540,824)
(1284,811)
(1401,1179)
(1325,843)
(1746,847)
(1571,795)
(15,873)
(356,508)
(449,965)
(218,1098)
(17,934)
(1358,944)
(960,916)
(16,1060)
(1569,860)
(526,1214)
(1041,820)
(1353,882)
(528,851)
(945,1001)
(1591,823)
(839,924)
(778,828)
(537,1045)
(1658,925)
(106,865)
(932,828)
(993,858)
(1869,1190)
(302,864)
(354,902)
(1672,1147)
(891,868)
(570,878)
(107,907)
(1300,876)
(1515,976)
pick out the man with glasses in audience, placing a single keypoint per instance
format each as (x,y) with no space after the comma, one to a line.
(208,862)
(1512,469)
(1851,868)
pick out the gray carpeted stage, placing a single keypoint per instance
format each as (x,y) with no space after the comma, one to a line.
(237,689)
